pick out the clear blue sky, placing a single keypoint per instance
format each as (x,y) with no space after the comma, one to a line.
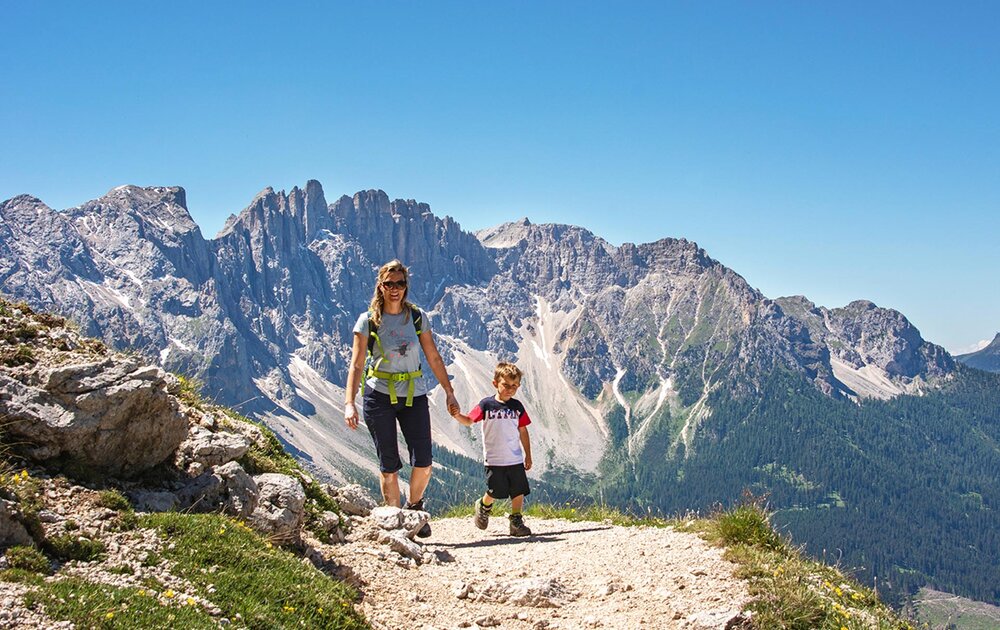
(839,150)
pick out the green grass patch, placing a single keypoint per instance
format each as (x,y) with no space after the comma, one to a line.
(90,605)
(791,591)
(748,524)
(114,500)
(266,586)
(21,576)
(190,391)
(27,559)
(73,547)
(21,355)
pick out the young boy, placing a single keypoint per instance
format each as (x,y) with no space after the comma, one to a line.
(506,448)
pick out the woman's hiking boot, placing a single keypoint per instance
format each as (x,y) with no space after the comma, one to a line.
(517,526)
(424,531)
(482,518)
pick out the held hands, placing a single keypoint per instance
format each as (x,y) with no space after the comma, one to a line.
(452,403)
(351,415)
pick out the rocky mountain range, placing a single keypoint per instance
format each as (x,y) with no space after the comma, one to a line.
(643,362)
(262,313)
(987,358)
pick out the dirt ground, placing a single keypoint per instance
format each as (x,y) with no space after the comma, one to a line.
(566,575)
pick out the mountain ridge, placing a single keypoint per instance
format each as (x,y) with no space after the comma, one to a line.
(986,358)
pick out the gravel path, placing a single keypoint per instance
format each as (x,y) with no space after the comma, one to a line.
(567,575)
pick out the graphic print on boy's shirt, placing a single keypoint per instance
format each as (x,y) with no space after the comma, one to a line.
(501,423)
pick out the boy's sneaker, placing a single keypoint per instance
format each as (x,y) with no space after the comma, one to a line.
(482,518)
(424,531)
(517,526)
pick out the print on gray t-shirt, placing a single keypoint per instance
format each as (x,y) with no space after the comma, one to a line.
(402,349)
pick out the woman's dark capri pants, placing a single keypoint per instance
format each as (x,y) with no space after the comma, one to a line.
(415,423)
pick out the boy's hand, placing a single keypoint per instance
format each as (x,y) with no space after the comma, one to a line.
(527,461)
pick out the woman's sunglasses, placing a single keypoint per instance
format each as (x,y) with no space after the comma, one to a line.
(394,284)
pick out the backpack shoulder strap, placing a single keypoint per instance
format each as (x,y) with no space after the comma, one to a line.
(418,319)
(372,332)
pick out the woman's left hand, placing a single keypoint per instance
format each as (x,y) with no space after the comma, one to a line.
(452,403)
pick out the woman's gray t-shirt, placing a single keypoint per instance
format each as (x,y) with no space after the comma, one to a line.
(402,349)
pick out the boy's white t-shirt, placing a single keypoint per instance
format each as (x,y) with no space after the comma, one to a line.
(501,423)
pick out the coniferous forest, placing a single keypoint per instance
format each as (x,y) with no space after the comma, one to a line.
(902,492)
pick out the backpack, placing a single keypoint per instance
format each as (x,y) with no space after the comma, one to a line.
(391,378)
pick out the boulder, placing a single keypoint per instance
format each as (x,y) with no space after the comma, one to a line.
(204,448)
(353,499)
(402,545)
(332,523)
(537,592)
(153,500)
(412,520)
(387,517)
(226,488)
(113,418)
(12,532)
(721,619)
(280,508)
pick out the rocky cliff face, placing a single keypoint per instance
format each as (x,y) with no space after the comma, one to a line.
(263,313)
(875,352)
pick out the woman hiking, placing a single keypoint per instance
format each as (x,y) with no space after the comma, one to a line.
(389,334)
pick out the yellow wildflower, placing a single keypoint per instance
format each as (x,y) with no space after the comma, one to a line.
(838,591)
(856,596)
(24,474)
(190,601)
(320,610)
(109,615)
(169,593)
(289,609)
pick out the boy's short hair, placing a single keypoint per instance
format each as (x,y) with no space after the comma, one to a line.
(506,370)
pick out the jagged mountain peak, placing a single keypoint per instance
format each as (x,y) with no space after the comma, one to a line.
(524,232)
(157,211)
(149,194)
(876,352)
(300,211)
(23,199)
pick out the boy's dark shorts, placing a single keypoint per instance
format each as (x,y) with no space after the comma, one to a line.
(504,482)
(382,416)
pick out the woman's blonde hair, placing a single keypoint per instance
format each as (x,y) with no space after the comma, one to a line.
(378,301)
